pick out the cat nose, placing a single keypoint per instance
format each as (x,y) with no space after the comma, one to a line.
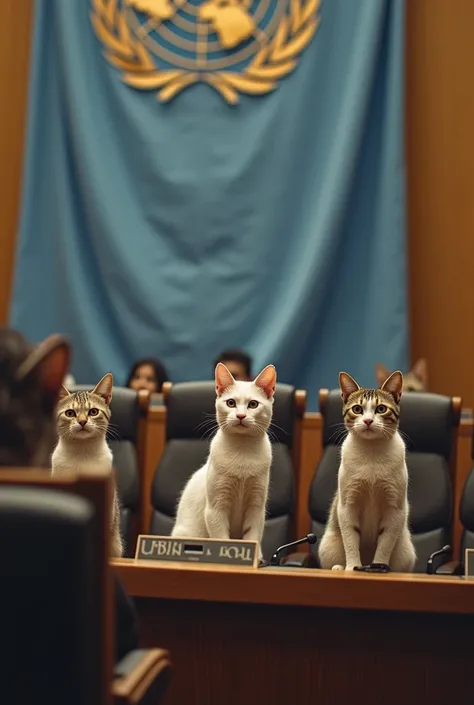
(241,416)
(368,421)
(82,422)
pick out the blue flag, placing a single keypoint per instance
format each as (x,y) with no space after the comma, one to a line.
(208,174)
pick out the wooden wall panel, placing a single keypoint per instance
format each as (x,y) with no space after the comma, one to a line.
(440,152)
(15,29)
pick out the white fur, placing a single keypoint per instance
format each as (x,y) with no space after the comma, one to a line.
(86,457)
(368,521)
(226,498)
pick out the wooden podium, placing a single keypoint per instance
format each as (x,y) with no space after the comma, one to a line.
(279,636)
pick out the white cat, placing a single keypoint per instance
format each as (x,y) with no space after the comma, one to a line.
(227,497)
(82,422)
(368,520)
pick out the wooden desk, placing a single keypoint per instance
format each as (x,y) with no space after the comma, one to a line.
(287,637)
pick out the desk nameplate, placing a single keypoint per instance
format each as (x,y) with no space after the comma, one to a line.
(185,550)
(469,563)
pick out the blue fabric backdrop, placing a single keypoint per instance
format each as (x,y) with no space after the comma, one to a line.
(179,229)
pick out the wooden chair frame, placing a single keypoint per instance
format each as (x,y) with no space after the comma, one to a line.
(149,674)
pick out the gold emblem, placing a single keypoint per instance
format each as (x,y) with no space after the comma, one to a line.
(167,45)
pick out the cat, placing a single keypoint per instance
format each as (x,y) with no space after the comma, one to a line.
(368,519)
(82,422)
(416,380)
(30,383)
(226,498)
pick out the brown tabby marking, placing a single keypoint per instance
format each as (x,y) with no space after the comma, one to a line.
(82,421)
(386,407)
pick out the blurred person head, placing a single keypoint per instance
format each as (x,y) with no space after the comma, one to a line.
(147,373)
(238,362)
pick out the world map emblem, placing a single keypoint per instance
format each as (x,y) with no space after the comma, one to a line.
(235,46)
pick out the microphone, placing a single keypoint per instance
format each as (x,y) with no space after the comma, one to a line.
(429,566)
(275,559)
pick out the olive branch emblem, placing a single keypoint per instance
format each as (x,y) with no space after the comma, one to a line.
(273,61)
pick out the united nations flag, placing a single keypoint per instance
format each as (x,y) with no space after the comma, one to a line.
(235,46)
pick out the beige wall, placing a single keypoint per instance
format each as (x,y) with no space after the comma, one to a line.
(440,153)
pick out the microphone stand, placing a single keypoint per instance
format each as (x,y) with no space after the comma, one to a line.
(309,538)
(441,552)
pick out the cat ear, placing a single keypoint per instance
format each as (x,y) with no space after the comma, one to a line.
(224,379)
(63,392)
(381,373)
(104,388)
(49,361)
(266,380)
(420,370)
(347,385)
(394,385)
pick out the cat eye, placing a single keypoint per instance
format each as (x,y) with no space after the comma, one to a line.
(252,404)
(381,409)
(357,409)
(231,403)
(70,413)
(93,411)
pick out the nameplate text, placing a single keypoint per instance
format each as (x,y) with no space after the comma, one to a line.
(219,552)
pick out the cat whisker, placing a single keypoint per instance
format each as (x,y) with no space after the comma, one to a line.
(209,433)
(406,437)
(340,433)
(113,435)
(274,425)
(274,439)
(207,423)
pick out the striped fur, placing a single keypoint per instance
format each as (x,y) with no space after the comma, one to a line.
(368,518)
(82,422)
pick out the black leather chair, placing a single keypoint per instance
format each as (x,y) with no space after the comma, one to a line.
(466,511)
(126,439)
(54,605)
(429,424)
(189,423)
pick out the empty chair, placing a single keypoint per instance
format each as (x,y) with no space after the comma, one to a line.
(190,417)
(429,425)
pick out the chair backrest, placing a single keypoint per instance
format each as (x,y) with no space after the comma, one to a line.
(126,438)
(190,423)
(55,589)
(466,510)
(429,424)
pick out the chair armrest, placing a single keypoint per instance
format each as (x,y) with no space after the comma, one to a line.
(450,568)
(141,677)
(300,560)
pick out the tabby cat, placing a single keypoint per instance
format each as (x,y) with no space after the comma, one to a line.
(82,421)
(30,382)
(368,519)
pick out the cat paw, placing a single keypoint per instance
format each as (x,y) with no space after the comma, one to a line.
(352,567)
(337,567)
(262,563)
